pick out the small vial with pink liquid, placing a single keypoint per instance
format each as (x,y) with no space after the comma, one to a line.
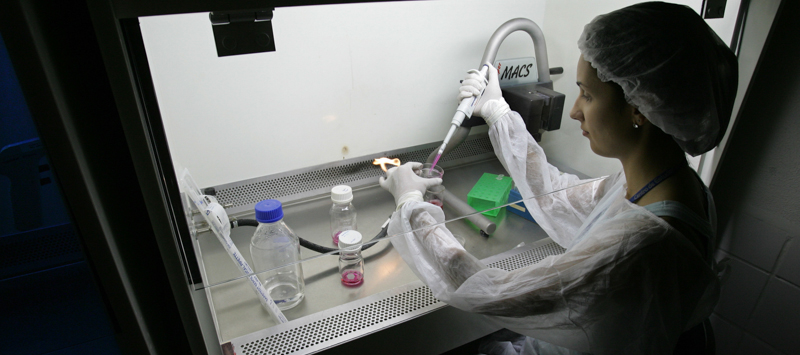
(351,264)
(434,195)
(343,213)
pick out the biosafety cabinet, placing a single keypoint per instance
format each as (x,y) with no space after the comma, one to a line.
(284,100)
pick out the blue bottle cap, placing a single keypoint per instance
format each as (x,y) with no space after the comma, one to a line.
(269,211)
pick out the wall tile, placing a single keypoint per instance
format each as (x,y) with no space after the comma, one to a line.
(727,335)
(60,307)
(789,269)
(776,319)
(750,346)
(106,345)
(740,291)
(752,240)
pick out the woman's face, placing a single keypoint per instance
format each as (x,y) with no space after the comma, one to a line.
(606,120)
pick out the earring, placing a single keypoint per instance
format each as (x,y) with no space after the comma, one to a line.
(635,125)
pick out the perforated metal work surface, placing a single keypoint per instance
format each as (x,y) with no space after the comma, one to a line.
(315,333)
(323,330)
(317,180)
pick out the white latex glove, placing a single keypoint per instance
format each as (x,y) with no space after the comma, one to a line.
(404,184)
(491,105)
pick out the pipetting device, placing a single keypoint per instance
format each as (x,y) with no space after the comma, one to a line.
(534,100)
(464,110)
(539,106)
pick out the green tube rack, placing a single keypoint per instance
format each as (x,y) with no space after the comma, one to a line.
(489,192)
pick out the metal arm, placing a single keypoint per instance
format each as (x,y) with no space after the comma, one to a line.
(530,27)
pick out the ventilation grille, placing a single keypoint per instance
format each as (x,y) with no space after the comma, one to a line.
(322,179)
(38,249)
(341,324)
(326,329)
(529,257)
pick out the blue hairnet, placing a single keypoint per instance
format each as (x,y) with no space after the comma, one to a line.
(670,65)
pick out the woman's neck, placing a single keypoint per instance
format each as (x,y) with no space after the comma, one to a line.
(643,165)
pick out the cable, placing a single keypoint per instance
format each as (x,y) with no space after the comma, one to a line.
(313,246)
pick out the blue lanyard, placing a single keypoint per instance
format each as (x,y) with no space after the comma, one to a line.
(653,183)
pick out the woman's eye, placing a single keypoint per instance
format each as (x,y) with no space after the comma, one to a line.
(585,96)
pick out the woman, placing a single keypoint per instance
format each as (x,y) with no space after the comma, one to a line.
(655,83)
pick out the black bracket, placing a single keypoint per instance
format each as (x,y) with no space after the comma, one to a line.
(242,32)
(713,8)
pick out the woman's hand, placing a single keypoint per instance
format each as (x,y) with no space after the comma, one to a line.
(491,104)
(404,184)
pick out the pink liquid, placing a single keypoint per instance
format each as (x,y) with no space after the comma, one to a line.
(435,160)
(436,203)
(336,238)
(352,278)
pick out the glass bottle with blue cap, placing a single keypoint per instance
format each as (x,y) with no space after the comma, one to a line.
(275,250)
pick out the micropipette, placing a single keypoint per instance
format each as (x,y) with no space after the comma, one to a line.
(463,111)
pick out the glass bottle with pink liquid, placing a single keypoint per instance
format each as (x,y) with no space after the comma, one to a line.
(351,264)
(343,213)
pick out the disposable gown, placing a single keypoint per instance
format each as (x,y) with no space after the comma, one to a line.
(628,282)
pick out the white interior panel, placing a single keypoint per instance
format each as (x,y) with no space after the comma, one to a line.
(350,80)
(345,81)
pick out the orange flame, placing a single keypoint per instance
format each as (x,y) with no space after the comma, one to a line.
(383,161)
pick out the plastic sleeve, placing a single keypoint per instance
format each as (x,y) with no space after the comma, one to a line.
(561,213)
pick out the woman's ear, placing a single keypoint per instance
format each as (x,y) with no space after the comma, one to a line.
(638,117)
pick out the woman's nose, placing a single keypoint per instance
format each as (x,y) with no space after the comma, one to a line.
(575,113)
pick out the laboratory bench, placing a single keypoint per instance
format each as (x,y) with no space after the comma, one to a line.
(391,309)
